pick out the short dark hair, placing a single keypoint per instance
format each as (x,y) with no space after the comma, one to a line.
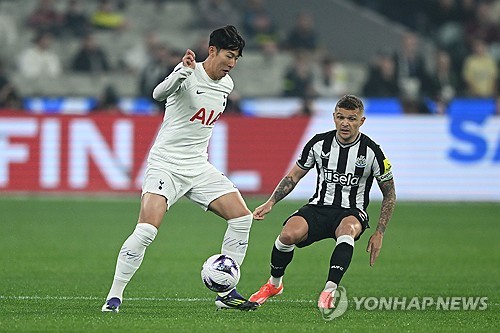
(350,102)
(227,38)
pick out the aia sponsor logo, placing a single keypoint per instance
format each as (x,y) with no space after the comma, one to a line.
(205,117)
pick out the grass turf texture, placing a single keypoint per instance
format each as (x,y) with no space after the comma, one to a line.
(58,257)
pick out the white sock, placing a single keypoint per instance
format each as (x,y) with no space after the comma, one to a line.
(130,257)
(330,286)
(236,238)
(345,239)
(275,281)
(283,247)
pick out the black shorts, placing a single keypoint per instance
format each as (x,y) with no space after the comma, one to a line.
(324,220)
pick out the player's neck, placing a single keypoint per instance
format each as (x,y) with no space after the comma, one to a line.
(349,141)
(208,69)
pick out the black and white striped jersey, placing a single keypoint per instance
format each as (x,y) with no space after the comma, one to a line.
(345,172)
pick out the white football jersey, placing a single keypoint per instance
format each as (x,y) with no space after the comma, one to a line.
(194,102)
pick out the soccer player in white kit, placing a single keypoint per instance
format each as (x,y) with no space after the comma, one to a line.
(195,95)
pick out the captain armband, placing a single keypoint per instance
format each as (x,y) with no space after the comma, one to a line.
(387,172)
(385,177)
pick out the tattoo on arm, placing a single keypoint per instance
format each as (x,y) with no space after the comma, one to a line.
(388,203)
(285,186)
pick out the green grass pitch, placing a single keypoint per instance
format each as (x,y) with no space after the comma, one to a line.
(57,258)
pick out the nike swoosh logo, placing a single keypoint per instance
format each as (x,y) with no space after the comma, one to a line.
(132,255)
(199,92)
(323,155)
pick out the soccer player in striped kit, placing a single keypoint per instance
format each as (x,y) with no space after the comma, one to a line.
(195,96)
(347,162)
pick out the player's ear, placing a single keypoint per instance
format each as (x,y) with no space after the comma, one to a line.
(212,50)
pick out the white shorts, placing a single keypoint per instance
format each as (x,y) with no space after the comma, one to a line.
(202,186)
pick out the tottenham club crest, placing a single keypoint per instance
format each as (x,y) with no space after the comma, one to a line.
(361,161)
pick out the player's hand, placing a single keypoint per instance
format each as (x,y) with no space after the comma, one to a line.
(374,246)
(189,59)
(260,212)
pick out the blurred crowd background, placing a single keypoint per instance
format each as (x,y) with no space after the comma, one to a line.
(422,52)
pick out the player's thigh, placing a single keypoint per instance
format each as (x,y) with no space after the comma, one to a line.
(349,226)
(153,208)
(294,231)
(352,222)
(160,190)
(229,206)
(212,190)
(164,183)
(321,223)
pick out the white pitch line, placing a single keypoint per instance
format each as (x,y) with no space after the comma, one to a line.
(154,299)
(160,299)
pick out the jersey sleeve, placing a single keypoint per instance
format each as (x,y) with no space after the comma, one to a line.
(172,82)
(306,159)
(382,168)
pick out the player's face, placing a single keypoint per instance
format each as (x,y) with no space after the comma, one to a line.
(347,123)
(222,62)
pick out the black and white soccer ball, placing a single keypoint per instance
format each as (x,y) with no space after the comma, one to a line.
(220,273)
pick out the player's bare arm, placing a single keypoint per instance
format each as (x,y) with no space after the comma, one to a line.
(285,186)
(388,203)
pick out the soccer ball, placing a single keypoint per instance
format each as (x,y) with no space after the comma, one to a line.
(220,273)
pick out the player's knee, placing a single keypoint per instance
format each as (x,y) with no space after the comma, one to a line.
(283,247)
(349,226)
(242,223)
(290,237)
(286,238)
(295,231)
(153,209)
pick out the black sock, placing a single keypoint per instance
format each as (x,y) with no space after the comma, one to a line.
(339,262)
(279,261)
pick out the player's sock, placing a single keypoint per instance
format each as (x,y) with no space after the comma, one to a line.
(236,238)
(330,286)
(341,258)
(131,256)
(275,281)
(281,256)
